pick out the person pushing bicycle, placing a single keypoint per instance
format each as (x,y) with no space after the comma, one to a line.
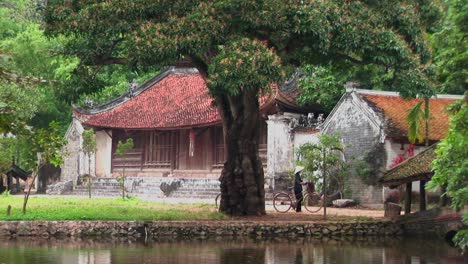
(298,187)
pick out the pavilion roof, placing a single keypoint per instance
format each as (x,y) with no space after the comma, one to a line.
(415,168)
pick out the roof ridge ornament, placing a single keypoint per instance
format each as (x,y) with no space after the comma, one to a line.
(89,103)
(351,86)
(132,87)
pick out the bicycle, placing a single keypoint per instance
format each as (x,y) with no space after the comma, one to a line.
(283,201)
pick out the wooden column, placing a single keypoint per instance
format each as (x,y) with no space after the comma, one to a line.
(408,198)
(173,154)
(422,195)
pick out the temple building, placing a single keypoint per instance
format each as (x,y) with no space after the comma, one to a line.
(374,129)
(177,131)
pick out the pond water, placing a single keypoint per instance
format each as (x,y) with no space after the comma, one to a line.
(229,251)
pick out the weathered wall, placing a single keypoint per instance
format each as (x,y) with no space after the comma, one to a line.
(75,161)
(103,153)
(195,228)
(303,137)
(280,153)
(284,138)
(361,135)
(437,221)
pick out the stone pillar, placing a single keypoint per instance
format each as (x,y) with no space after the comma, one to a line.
(103,153)
(280,151)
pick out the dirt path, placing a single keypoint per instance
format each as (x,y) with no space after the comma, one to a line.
(333,214)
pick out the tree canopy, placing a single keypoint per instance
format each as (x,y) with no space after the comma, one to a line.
(450,45)
(385,33)
(241,47)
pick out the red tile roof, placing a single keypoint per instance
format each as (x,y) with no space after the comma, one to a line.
(395,109)
(413,169)
(173,99)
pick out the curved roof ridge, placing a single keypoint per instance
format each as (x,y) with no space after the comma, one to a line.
(392,93)
(129,95)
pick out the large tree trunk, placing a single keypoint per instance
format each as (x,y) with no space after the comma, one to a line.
(242,178)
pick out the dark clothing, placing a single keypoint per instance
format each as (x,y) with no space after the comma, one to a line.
(298,191)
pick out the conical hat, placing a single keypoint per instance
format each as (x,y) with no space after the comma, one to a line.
(298,169)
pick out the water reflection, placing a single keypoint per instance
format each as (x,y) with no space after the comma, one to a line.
(229,251)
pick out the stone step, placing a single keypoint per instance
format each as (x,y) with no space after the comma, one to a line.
(150,186)
(96,187)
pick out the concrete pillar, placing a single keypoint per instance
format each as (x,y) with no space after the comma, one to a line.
(280,153)
(103,153)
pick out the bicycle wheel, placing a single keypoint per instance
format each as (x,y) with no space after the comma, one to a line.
(218,200)
(312,203)
(282,202)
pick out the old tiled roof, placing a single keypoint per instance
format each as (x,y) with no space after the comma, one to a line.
(172,99)
(412,169)
(175,98)
(394,110)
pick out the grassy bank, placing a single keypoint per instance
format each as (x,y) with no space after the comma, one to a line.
(82,208)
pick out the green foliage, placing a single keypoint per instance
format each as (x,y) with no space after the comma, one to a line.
(5,193)
(324,158)
(116,82)
(61,208)
(451,165)
(89,147)
(124,147)
(49,142)
(450,45)
(17,105)
(7,152)
(121,150)
(89,142)
(384,33)
(414,118)
(366,168)
(461,238)
(321,85)
(243,64)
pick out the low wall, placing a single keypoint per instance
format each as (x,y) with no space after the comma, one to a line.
(437,221)
(195,229)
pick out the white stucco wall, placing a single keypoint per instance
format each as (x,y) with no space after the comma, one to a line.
(301,138)
(103,153)
(280,144)
(284,138)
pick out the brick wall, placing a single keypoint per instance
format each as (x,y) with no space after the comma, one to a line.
(360,136)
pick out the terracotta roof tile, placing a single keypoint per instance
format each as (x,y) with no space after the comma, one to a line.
(177,99)
(395,109)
